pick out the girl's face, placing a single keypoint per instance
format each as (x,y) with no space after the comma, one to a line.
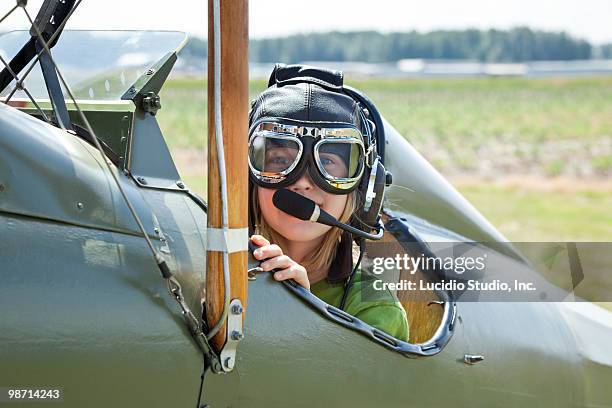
(294,229)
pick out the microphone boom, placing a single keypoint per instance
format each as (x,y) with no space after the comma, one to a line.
(305,209)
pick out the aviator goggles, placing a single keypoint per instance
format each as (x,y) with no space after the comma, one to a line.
(335,157)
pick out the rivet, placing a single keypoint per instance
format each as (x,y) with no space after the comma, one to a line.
(2,188)
(80,206)
(142,180)
(180,184)
(472,359)
(236,335)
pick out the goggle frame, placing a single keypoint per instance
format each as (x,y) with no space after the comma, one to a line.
(320,135)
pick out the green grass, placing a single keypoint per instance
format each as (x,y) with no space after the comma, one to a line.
(456,112)
(527,215)
(183,117)
(474,111)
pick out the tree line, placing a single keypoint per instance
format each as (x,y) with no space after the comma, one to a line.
(515,45)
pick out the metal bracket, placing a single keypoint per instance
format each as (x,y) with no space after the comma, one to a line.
(234,335)
(151,103)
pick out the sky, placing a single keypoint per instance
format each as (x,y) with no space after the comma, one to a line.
(587,19)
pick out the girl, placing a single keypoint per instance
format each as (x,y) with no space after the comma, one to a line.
(309,139)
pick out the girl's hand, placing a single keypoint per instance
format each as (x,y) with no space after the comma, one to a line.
(275,259)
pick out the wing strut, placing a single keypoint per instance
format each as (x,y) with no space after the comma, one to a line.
(227,236)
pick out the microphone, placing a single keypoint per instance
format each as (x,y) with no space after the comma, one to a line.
(305,209)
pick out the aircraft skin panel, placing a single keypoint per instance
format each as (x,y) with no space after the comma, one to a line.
(181,227)
(87,311)
(49,173)
(292,356)
(592,327)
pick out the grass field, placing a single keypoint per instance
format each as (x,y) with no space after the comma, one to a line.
(476,132)
(526,214)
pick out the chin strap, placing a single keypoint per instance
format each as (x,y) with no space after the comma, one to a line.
(349,281)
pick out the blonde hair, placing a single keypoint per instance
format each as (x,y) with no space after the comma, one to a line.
(322,257)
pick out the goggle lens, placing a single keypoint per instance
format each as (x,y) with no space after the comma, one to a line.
(340,159)
(273,156)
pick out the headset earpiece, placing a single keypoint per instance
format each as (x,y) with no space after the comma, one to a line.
(373,183)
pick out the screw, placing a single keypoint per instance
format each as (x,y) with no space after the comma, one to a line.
(150,71)
(237,309)
(180,184)
(236,335)
(142,180)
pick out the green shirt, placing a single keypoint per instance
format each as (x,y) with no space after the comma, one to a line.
(386,313)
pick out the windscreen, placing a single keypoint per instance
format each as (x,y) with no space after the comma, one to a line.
(98,65)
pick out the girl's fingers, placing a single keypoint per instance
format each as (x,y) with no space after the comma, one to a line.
(259,240)
(277,262)
(287,268)
(295,272)
(267,251)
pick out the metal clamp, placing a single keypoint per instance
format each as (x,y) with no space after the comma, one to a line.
(234,335)
(228,240)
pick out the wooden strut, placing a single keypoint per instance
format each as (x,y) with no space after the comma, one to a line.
(234,108)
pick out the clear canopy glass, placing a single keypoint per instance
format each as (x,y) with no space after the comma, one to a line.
(98,65)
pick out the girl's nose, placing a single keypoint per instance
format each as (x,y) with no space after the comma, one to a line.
(304,183)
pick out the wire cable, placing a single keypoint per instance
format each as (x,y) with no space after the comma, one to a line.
(221,159)
(158,258)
